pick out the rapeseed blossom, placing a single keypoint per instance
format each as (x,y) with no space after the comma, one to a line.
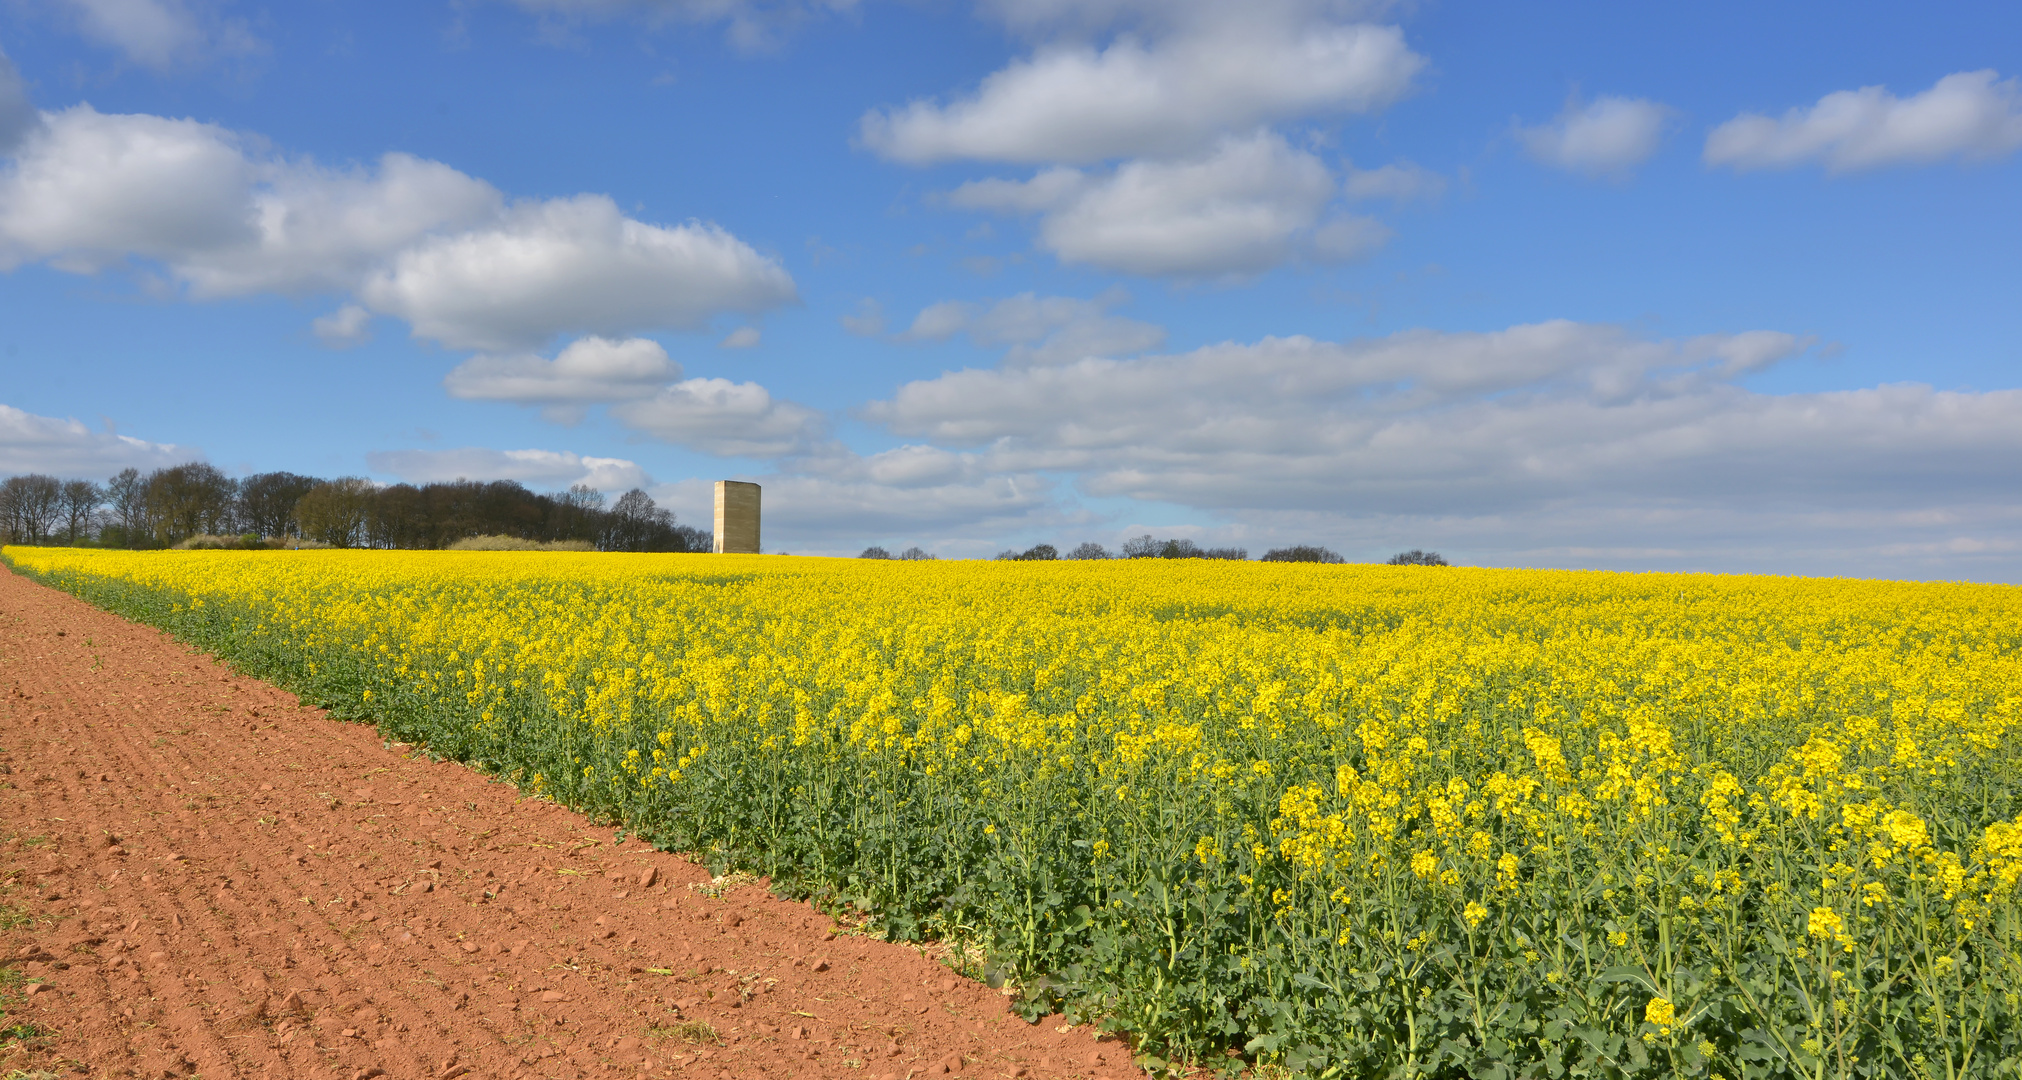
(1363,819)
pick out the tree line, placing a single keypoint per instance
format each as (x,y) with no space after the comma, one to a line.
(1150,547)
(182,503)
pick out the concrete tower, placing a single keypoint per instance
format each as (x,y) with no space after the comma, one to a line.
(736,518)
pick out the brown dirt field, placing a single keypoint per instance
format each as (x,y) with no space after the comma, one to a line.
(201,876)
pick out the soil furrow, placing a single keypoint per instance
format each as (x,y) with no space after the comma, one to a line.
(202,876)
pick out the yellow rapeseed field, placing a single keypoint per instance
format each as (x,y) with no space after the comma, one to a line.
(1352,820)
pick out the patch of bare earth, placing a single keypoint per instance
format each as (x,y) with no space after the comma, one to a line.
(202,876)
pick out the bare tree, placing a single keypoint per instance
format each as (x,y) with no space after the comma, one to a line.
(81,500)
(127,495)
(636,524)
(1142,547)
(1415,557)
(189,500)
(1301,553)
(30,507)
(916,554)
(267,501)
(875,552)
(577,513)
(1089,550)
(336,511)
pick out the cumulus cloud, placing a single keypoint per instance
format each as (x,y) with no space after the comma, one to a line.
(752,24)
(347,326)
(572,265)
(1453,423)
(413,238)
(728,419)
(1971,115)
(1177,94)
(88,190)
(1608,136)
(868,320)
(814,509)
(17,114)
(555,469)
(591,370)
(67,448)
(1041,329)
(161,33)
(1401,181)
(838,503)
(1248,205)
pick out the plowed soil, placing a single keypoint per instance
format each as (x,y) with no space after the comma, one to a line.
(204,877)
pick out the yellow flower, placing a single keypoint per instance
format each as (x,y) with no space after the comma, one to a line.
(1474,913)
(1825,924)
(1425,864)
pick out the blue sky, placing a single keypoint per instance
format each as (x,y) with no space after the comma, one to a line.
(1716,287)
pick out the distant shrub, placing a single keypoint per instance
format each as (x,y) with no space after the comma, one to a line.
(211,542)
(916,554)
(514,543)
(1035,553)
(1089,550)
(1302,553)
(1150,547)
(1141,547)
(875,552)
(1415,557)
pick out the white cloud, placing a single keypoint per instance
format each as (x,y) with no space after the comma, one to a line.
(17,114)
(869,319)
(941,321)
(717,416)
(1041,329)
(1977,542)
(320,230)
(1470,424)
(89,190)
(572,265)
(412,238)
(556,469)
(744,337)
(67,448)
(1246,206)
(1346,237)
(161,33)
(752,24)
(1969,115)
(1609,136)
(347,326)
(1400,181)
(1176,94)
(839,503)
(591,370)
